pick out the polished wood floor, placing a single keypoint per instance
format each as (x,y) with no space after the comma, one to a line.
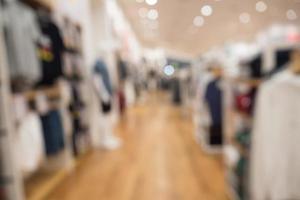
(159,160)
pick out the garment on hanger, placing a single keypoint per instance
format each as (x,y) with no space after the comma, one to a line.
(103,93)
(29,143)
(122,69)
(176,91)
(275,159)
(255,67)
(51,48)
(102,70)
(21,35)
(53,132)
(214,100)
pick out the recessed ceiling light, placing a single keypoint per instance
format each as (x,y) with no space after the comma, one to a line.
(206,10)
(245,18)
(169,70)
(198,21)
(151,2)
(152,14)
(143,12)
(291,14)
(261,6)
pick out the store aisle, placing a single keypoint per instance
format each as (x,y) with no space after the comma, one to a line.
(159,160)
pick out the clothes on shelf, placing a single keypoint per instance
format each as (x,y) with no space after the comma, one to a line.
(275,142)
(22,34)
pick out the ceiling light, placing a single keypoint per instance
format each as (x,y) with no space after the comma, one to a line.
(169,70)
(261,6)
(206,10)
(245,18)
(291,15)
(198,21)
(143,12)
(151,2)
(152,14)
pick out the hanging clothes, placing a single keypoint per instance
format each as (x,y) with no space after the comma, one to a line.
(214,100)
(103,93)
(51,48)
(21,35)
(53,132)
(176,91)
(275,160)
(122,69)
(101,69)
(29,144)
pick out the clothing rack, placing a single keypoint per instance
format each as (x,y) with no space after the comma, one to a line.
(11,181)
(234,116)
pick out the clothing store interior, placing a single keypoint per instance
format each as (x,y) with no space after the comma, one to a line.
(149,100)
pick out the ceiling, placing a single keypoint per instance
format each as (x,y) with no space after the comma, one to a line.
(174,27)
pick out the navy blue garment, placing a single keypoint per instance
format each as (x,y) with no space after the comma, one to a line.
(53,132)
(122,69)
(176,92)
(213,98)
(101,69)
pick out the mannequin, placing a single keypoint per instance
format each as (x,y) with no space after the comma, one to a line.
(108,140)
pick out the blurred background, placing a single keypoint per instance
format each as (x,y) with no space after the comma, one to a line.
(149,99)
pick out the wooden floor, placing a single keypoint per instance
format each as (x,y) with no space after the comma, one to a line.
(159,161)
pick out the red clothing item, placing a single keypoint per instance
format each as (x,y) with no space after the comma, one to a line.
(122,101)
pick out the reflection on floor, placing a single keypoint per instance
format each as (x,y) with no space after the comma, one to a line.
(159,161)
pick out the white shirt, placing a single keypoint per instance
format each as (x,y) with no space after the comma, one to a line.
(275,161)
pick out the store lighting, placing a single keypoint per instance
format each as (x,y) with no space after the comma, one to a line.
(291,15)
(152,14)
(261,6)
(245,18)
(206,10)
(151,2)
(198,21)
(169,70)
(143,12)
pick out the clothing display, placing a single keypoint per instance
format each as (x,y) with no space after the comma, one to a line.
(176,91)
(22,34)
(51,48)
(101,69)
(121,101)
(29,145)
(53,132)
(122,69)
(214,100)
(275,144)
(102,92)
(255,67)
